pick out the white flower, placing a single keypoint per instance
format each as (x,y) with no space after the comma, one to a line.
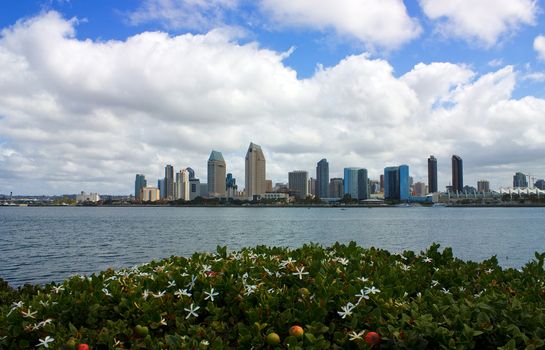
(300,272)
(346,310)
(159,295)
(372,290)
(356,336)
(284,263)
(45,322)
(163,322)
(210,295)
(427,260)
(146,294)
(44,303)
(362,295)
(58,289)
(488,271)
(250,288)
(364,279)
(191,284)
(29,314)
(405,267)
(105,291)
(462,289)
(434,283)
(45,342)
(171,284)
(343,261)
(205,342)
(180,292)
(192,311)
(445,291)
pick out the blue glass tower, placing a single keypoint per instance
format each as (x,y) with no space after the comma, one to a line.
(396,183)
(351,182)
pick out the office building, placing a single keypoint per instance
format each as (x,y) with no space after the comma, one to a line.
(150,194)
(203,190)
(351,182)
(255,171)
(169,182)
(336,188)
(216,175)
(182,185)
(519,180)
(322,179)
(298,183)
(87,197)
(363,184)
(540,184)
(381,181)
(420,189)
(311,186)
(268,186)
(194,188)
(191,173)
(396,183)
(139,183)
(457,174)
(432,174)
(374,186)
(483,186)
(162,188)
(231,185)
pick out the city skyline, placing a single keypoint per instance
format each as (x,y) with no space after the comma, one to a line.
(91,95)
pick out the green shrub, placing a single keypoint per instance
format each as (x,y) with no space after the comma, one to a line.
(337,294)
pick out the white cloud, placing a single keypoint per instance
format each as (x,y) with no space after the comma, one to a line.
(539,46)
(85,115)
(483,21)
(376,23)
(183,14)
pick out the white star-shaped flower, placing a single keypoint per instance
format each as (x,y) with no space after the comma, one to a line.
(210,295)
(300,272)
(346,310)
(192,311)
(356,336)
(372,290)
(45,342)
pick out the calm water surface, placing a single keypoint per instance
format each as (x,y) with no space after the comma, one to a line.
(40,245)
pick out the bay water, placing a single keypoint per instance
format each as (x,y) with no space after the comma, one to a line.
(44,244)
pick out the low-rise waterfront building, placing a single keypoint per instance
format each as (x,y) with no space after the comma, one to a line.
(150,194)
(87,197)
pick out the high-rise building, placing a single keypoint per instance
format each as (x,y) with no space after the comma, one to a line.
(194,188)
(336,187)
(191,173)
(162,188)
(351,182)
(432,174)
(322,179)
(311,186)
(149,194)
(420,189)
(139,183)
(457,174)
(231,185)
(396,183)
(540,184)
(268,186)
(363,184)
(519,180)
(169,182)
(216,175)
(374,186)
(297,182)
(381,181)
(182,185)
(203,190)
(483,186)
(255,168)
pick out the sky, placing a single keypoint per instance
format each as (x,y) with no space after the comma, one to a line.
(94,92)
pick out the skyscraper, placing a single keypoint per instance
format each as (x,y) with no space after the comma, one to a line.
(191,173)
(139,183)
(311,188)
(182,185)
(336,188)
(519,180)
(322,179)
(432,174)
(396,183)
(255,169)
(457,174)
(351,182)
(169,182)
(231,184)
(298,182)
(216,175)
(363,184)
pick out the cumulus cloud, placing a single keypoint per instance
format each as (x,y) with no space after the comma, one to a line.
(483,21)
(539,46)
(377,23)
(87,115)
(183,14)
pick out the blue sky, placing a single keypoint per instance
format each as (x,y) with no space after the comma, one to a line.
(471,52)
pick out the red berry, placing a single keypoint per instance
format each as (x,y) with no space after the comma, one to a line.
(83,347)
(372,338)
